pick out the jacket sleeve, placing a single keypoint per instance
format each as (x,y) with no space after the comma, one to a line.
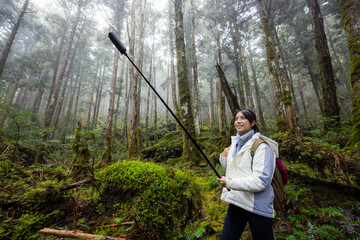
(263,168)
(223,162)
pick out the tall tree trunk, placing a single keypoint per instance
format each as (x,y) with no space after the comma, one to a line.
(140,64)
(239,81)
(155,109)
(11,38)
(98,97)
(8,101)
(38,95)
(106,156)
(219,91)
(119,97)
(172,64)
(56,66)
(49,112)
(126,110)
(67,115)
(241,56)
(305,102)
(68,75)
(77,99)
(351,20)
(285,116)
(221,109)
(331,106)
(308,60)
(195,71)
(257,94)
(148,99)
(186,111)
(133,140)
(211,103)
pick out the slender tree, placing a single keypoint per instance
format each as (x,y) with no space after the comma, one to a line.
(172,64)
(133,140)
(195,70)
(106,156)
(12,36)
(257,92)
(49,112)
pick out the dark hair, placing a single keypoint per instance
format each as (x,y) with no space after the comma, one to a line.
(251,116)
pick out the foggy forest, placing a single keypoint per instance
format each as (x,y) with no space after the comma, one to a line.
(121,139)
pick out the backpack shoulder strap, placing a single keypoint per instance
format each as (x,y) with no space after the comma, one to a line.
(255,146)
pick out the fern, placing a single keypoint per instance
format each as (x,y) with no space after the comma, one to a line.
(197,234)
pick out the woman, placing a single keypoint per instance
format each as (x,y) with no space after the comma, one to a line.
(247,182)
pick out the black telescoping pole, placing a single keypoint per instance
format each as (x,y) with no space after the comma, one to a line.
(122,50)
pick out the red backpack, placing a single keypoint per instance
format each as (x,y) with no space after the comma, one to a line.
(280,179)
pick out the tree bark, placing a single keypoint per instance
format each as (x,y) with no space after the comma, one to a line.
(172,65)
(195,71)
(285,116)
(242,59)
(211,103)
(221,109)
(186,111)
(148,100)
(257,94)
(12,36)
(106,156)
(155,110)
(56,67)
(308,60)
(38,95)
(52,104)
(331,106)
(133,140)
(126,110)
(351,20)
(67,76)
(305,102)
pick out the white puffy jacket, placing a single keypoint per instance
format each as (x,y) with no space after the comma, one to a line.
(249,187)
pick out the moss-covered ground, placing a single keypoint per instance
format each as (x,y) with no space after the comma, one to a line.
(157,196)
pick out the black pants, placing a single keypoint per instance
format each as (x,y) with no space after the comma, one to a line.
(235,222)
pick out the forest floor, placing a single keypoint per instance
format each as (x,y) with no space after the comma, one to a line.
(157,196)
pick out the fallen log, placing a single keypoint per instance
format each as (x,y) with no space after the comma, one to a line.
(76,184)
(115,225)
(75,234)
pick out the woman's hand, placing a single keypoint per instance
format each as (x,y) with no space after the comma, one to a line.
(222,181)
(224,154)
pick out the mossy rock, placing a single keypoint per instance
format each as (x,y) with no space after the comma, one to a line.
(161,200)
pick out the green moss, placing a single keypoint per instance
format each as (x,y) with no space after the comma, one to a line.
(160,199)
(282,125)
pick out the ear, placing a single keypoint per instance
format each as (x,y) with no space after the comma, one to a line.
(253,123)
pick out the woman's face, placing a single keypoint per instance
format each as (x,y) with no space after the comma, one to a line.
(242,124)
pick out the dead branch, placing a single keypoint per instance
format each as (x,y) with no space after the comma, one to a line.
(75,234)
(115,225)
(76,184)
